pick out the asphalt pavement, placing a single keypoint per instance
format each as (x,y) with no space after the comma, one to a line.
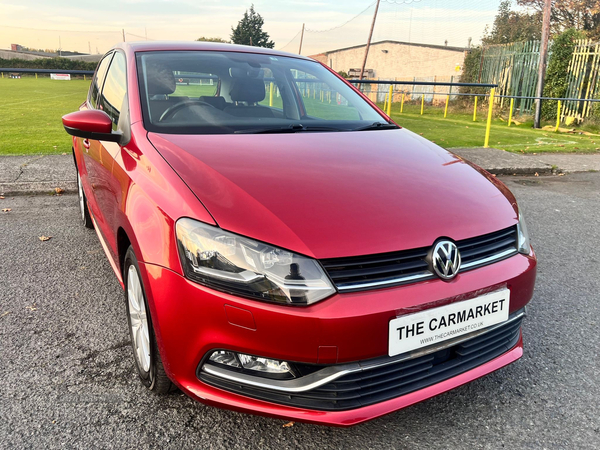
(67,378)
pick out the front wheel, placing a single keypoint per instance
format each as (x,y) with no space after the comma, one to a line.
(147,358)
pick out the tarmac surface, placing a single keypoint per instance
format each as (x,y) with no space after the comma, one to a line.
(67,378)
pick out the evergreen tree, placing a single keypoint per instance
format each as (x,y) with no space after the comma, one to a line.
(249,31)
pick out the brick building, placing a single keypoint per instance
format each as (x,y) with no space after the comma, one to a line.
(393,60)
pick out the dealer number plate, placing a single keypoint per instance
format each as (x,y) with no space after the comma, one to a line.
(435,325)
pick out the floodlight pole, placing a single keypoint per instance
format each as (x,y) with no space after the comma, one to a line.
(362,70)
(543,60)
(301,39)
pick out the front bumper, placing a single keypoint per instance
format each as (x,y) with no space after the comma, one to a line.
(191,320)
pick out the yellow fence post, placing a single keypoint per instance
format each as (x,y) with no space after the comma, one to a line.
(512,103)
(385,103)
(446,108)
(271,94)
(475,110)
(84,77)
(557,117)
(422,103)
(389,106)
(402,105)
(486,144)
(36,76)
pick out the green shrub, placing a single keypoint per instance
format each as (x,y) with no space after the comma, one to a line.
(47,63)
(556,75)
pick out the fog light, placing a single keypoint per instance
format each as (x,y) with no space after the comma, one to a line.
(226,358)
(263,364)
(249,362)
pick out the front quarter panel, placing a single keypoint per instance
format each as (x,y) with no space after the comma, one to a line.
(151,197)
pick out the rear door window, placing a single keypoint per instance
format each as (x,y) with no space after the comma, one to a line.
(195,84)
(115,88)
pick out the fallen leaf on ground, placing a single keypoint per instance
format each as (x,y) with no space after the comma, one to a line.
(536,174)
(4,314)
(561,174)
(45,238)
(289,424)
(59,190)
(6,210)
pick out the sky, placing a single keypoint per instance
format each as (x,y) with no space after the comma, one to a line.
(94,26)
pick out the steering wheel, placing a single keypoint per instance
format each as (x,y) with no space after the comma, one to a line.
(172,110)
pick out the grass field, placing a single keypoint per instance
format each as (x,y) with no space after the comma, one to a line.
(458,130)
(30,112)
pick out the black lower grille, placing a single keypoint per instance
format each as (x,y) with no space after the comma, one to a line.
(385,382)
(409,266)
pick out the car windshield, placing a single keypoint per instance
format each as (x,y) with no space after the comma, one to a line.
(210,92)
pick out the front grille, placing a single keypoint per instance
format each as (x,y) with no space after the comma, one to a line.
(388,381)
(389,269)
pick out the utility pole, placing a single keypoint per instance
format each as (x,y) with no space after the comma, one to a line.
(251,42)
(89,47)
(123,31)
(543,60)
(59,47)
(301,39)
(362,70)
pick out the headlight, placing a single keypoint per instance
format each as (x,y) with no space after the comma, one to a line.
(523,236)
(242,266)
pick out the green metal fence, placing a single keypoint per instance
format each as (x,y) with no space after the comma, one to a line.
(583,74)
(514,68)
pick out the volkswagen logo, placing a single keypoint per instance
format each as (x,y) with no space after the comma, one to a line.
(445,259)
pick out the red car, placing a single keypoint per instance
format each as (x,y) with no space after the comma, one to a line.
(284,247)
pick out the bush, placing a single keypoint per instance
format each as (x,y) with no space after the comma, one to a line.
(470,73)
(47,63)
(555,84)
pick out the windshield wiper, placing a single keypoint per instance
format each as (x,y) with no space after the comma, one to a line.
(296,128)
(377,126)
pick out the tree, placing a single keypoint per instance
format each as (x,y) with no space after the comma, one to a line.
(512,26)
(249,31)
(213,39)
(583,15)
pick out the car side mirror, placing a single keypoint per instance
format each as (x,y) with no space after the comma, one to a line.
(91,124)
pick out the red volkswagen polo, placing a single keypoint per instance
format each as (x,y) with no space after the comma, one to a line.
(285,248)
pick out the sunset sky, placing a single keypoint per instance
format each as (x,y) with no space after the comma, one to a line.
(96,26)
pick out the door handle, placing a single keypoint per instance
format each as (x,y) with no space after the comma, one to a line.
(86,143)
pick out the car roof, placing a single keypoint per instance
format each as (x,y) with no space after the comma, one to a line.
(153,46)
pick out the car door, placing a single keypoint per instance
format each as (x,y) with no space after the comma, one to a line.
(89,149)
(112,101)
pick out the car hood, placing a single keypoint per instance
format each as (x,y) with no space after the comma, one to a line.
(338,194)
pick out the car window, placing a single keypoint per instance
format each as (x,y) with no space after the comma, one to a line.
(195,84)
(272,92)
(96,86)
(115,88)
(209,92)
(321,101)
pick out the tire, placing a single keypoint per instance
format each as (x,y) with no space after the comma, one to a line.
(143,341)
(84,212)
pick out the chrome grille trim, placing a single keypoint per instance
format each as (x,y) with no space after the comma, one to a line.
(366,272)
